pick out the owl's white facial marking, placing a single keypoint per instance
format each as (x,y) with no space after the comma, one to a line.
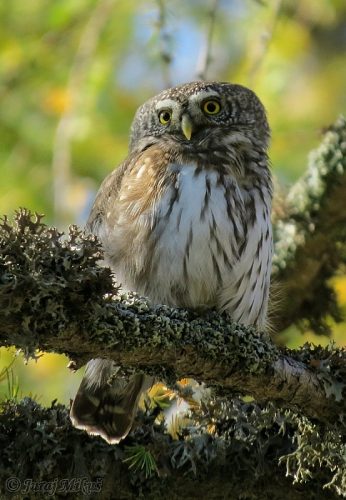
(195,103)
(166,103)
(170,104)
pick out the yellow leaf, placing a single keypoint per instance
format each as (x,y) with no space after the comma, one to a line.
(340,288)
(57,101)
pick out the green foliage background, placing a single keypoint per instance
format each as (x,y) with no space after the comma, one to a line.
(73,73)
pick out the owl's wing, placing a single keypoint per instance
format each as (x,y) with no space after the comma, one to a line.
(107,193)
(101,407)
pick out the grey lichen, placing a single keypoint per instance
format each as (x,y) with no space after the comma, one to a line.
(45,278)
(308,197)
(310,240)
(326,361)
(316,449)
(231,449)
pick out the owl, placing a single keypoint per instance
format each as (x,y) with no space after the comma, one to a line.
(184,221)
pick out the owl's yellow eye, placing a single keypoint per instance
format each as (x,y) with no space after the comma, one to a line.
(165,116)
(211,107)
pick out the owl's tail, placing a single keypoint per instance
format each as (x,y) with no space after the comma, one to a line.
(107,409)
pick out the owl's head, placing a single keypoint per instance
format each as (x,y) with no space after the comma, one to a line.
(200,115)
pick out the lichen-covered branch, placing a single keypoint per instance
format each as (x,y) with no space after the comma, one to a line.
(249,452)
(54,297)
(311,238)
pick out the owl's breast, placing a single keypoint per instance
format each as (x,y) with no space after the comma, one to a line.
(197,228)
(189,236)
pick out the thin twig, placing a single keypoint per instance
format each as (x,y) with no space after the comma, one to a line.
(205,56)
(265,41)
(61,159)
(165,41)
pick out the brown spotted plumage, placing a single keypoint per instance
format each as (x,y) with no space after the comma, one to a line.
(185,221)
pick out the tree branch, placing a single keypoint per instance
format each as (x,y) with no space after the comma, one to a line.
(238,459)
(54,297)
(205,55)
(165,43)
(263,44)
(311,239)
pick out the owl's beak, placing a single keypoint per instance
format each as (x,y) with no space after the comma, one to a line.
(186,126)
